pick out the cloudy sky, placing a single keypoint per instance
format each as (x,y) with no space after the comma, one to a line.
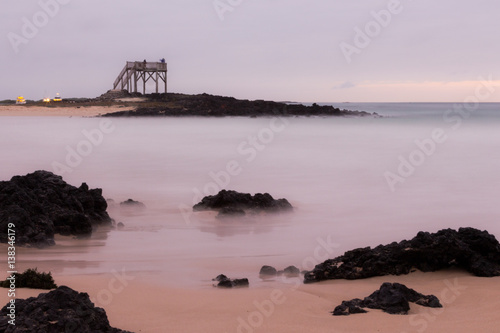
(294,50)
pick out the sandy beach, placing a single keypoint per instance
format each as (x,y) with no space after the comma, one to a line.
(140,304)
(58,111)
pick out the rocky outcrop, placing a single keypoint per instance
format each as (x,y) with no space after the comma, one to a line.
(61,310)
(132,203)
(204,105)
(225,282)
(111,95)
(476,251)
(392,298)
(234,203)
(291,271)
(230,212)
(41,204)
(31,278)
(267,271)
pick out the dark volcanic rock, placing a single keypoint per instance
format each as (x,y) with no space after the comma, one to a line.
(232,201)
(476,251)
(267,271)
(31,278)
(349,307)
(41,204)
(179,105)
(230,212)
(291,271)
(61,310)
(392,298)
(225,282)
(132,203)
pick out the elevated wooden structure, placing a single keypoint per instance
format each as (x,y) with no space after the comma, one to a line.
(135,71)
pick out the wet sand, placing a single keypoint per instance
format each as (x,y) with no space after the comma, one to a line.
(58,111)
(140,304)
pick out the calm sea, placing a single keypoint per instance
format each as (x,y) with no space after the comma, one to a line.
(353,182)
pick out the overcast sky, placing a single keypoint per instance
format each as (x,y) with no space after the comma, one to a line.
(294,50)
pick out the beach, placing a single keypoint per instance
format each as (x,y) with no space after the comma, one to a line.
(58,111)
(140,305)
(154,274)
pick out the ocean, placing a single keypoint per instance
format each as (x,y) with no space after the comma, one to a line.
(353,182)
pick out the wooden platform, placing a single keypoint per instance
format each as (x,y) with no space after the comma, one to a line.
(135,71)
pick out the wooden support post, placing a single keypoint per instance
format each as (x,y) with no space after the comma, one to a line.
(133,72)
(156,80)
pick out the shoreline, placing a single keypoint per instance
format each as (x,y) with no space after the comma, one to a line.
(59,111)
(281,307)
(118,103)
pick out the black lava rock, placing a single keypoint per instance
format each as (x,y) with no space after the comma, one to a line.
(61,310)
(205,105)
(132,203)
(31,278)
(235,202)
(41,204)
(392,298)
(291,271)
(225,282)
(476,251)
(267,271)
(230,212)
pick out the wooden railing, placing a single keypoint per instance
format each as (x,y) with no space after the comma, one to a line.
(131,67)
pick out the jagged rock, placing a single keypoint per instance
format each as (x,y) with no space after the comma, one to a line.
(476,251)
(232,201)
(267,271)
(114,94)
(349,307)
(392,298)
(41,204)
(205,105)
(31,278)
(225,282)
(61,310)
(291,271)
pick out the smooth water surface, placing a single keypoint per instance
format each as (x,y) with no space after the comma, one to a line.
(332,170)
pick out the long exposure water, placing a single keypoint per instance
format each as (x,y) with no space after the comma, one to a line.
(353,182)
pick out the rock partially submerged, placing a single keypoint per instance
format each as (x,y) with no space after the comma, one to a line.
(234,203)
(476,251)
(392,298)
(132,203)
(41,204)
(225,282)
(291,271)
(61,310)
(267,271)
